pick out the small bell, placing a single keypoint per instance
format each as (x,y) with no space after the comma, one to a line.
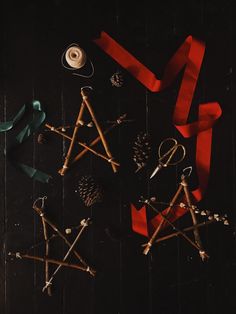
(117,79)
(90,124)
(153,199)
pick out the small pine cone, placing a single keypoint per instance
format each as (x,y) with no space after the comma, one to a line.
(117,79)
(89,190)
(141,150)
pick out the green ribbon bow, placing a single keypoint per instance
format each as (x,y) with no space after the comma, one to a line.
(38,118)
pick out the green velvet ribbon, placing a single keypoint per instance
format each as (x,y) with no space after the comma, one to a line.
(37,119)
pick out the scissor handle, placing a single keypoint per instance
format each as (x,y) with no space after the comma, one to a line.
(170,153)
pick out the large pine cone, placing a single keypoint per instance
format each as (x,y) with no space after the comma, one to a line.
(141,150)
(89,190)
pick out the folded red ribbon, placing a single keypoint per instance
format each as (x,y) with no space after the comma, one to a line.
(189,55)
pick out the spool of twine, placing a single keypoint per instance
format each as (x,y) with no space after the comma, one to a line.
(75,57)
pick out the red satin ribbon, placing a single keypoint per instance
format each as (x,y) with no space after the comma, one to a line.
(189,55)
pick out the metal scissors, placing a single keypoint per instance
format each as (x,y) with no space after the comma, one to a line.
(174,154)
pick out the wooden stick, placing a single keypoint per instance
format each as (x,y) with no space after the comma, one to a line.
(154,235)
(175,228)
(67,159)
(94,142)
(41,213)
(175,234)
(104,142)
(183,185)
(99,154)
(49,260)
(45,233)
(81,144)
(98,139)
(84,224)
(198,241)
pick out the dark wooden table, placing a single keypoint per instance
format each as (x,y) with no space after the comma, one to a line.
(172,278)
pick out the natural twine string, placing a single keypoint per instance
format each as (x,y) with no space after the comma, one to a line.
(76,58)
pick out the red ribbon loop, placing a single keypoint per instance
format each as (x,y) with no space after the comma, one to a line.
(189,55)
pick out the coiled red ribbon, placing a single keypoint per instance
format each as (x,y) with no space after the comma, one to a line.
(189,55)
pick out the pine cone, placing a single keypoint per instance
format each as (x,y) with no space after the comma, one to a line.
(117,79)
(141,150)
(89,190)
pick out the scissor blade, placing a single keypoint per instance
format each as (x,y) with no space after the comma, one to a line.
(155,171)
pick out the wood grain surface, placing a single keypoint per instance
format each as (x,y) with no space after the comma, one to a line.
(172,279)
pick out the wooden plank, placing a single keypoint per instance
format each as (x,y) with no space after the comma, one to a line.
(171,279)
